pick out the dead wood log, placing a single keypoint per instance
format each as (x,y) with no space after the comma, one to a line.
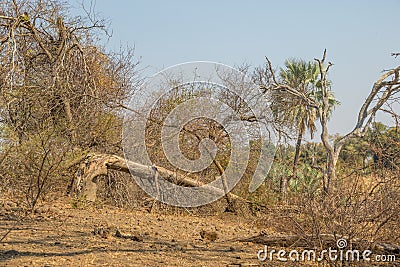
(94,165)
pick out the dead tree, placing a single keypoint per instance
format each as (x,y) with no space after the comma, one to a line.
(94,165)
(386,88)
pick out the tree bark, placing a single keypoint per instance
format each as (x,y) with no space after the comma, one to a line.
(68,114)
(330,173)
(297,154)
(94,165)
(284,187)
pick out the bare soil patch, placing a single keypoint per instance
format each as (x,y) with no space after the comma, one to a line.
(60,235)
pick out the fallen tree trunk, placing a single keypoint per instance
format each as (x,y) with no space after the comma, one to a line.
(94,165)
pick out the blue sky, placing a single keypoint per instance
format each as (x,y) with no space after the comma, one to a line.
(359,37)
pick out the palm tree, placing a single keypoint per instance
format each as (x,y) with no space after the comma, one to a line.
(303,77)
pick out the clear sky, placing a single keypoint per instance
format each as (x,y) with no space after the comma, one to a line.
(359,37)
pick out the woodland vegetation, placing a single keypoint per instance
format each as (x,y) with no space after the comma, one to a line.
(62,100)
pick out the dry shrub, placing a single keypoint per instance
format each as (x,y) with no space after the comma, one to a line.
(363,210)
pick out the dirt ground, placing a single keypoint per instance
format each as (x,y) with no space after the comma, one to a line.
(61,235)
(64,234)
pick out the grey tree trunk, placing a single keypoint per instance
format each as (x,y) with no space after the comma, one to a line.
(284,187)
(94,165)
(297,154)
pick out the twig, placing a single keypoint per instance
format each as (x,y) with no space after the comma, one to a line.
(5,235)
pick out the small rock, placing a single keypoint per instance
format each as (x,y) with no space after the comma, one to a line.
(103,232)
(208,235)
(118,233)
(137,238)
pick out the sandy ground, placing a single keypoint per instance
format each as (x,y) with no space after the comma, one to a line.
(64,236)
(101,235)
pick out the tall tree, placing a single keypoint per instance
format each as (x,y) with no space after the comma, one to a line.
(295,110)
(301,75)
(384,91)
